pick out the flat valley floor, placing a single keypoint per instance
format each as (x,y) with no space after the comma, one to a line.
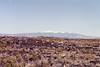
(49,52)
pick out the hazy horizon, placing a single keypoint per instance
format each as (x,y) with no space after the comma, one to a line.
(27,16)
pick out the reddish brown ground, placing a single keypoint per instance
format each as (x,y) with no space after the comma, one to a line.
(49,52)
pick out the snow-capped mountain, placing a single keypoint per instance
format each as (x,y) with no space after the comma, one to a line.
(54,34)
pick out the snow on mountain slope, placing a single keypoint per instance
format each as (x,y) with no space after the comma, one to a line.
(54,34)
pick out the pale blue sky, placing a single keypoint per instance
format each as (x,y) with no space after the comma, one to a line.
(78,16)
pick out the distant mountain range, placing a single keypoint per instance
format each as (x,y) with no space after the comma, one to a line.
(53,34)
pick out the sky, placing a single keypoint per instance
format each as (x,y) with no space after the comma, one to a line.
(27,16)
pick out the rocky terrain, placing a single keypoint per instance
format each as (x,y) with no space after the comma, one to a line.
(49,52)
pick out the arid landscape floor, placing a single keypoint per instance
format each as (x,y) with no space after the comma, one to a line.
(49,52)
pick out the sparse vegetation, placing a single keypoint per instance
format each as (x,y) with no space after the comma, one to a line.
(49,52)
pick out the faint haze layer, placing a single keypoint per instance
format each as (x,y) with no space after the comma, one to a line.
(22,16)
